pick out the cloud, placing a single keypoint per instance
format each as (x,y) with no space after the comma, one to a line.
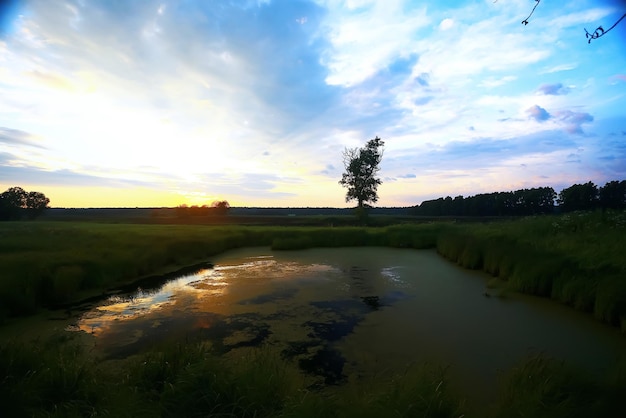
(574,120)
(619,77)
(50,80)
(497,82)
(538,113)
(407,176)
(64,177)
(446,24)
(329,170)
(553,89)
(16,137)
(559,68)
(253,89)
(364,40)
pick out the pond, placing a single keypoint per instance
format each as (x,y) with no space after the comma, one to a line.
(341,313)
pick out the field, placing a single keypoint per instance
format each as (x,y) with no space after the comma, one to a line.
(576,259)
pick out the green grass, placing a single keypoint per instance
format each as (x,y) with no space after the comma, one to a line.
(62,378)
(576,259)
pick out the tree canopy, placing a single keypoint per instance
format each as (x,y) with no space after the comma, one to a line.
(362,165)
(15,202)
(533,201)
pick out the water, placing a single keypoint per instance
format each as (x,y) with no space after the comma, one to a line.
(354,313)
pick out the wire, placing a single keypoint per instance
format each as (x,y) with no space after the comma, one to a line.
(599,32)
(525,21)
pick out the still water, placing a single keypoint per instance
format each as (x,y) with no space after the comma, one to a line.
(341,313)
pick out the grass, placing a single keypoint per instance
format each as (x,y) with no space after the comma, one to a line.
(544,387)
(62,378)
(576,259)
(48,264)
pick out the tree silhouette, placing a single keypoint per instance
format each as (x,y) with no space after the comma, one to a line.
(15,201)
(220,207)
(361,166)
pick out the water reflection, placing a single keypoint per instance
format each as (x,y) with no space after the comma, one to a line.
(352,312)
(142,302)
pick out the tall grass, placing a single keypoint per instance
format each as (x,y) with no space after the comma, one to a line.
(576,259)
(544,387)
(50,264)
(61,379)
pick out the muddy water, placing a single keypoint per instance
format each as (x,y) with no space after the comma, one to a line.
(354,313)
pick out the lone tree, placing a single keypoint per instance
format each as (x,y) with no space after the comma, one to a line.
(220,207)
(360,177)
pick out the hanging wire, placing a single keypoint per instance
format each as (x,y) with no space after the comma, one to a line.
(599,32)
(525,21)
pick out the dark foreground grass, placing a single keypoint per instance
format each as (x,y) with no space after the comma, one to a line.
(61,378)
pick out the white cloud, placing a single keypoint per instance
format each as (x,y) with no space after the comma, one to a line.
(278,96)
(559,68)
(446,24)
(365,42)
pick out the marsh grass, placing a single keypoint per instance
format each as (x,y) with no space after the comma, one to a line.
(419,391)
(62,378)
(576,259)
(47,264)
(47,378)
(544,387)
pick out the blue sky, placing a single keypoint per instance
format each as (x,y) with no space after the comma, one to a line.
(159,103)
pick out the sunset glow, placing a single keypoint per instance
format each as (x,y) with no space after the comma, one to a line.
(162,103)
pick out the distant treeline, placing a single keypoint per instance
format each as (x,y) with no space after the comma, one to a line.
(533,201)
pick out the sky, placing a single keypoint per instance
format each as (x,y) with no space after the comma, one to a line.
(141,103)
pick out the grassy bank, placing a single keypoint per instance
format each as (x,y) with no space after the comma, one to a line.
(47,264)
(56,379)
(577,259)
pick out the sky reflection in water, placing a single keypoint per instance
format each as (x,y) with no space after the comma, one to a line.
(352,311)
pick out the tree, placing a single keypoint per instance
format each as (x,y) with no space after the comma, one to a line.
(578,197)
(15,201)
(361,166)
(36,203)
(220,208)
(613,195)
